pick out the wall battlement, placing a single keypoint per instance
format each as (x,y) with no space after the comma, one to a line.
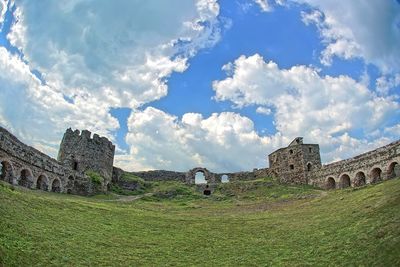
(24,165)
(82,153)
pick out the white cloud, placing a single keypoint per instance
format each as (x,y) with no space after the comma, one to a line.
(81,46)
(3,10)
(264,5)
(358,29)
(385,83)
(221,142)
(91,60)
(322,109)
(39,114)
(264,110)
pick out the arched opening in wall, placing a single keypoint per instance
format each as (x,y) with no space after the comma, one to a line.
(56,186)
(25,178)
(69,191)
(199,178)
(309,166)
(224,178)
(291,151)
(6,171)
(109,187)
(376,175)
(330,183)
(393,170)
(344,181)
(360,179)
(42,183)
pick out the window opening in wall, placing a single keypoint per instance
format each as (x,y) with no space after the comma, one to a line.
(291,151)
(310,149)
(291,166)
(225,178)
(309,166)
(200,178)
(75,166)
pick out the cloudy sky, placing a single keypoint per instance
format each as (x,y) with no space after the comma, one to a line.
(220,84)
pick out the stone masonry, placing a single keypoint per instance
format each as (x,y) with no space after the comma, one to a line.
(81,153)
(298,163)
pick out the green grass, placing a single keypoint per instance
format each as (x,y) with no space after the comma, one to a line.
(254,223)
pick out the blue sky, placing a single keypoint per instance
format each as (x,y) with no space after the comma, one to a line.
(218,84)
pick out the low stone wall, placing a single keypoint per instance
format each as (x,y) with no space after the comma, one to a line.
(26,166)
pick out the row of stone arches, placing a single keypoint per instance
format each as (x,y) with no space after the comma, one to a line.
(24,177)
(375,175)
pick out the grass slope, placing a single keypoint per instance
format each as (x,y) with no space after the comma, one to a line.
(245,223)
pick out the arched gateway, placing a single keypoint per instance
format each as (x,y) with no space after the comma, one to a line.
(208,176)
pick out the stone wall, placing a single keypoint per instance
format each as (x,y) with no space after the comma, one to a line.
(80,152)
(155,175)
(371,167)
(292,164)
(24,165)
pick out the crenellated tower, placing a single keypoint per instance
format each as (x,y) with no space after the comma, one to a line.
(80,152)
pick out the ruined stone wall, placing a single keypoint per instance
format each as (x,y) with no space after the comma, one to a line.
(160,175)
(370,167)
(26,166)
(80,152)
(156,175)
(293,163)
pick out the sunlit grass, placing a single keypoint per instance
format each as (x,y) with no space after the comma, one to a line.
(245,223)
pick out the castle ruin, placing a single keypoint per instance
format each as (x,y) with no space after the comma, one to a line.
(298,163)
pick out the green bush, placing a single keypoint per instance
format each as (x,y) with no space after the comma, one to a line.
(95,177)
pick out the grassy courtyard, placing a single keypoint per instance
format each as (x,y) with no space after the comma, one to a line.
(255,223)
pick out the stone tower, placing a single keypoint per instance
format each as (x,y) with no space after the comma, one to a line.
(293,164)
(80,152)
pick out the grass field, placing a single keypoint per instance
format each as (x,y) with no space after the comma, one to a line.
(255,223)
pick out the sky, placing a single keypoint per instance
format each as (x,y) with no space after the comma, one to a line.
(180,84)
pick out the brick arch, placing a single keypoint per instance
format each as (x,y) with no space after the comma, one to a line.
(7,171)
(344,181)
(55,185)
(25,177)
(42,182)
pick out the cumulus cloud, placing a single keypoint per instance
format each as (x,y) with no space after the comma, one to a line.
(222,142)
(89,60)
(81,46)
(3,9)
(39,114)
(324,109)
(362,29)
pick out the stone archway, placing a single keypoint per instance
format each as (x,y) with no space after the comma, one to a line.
(25,178)
(56,186)
(208,176)
(393,170)
(225,178)
(375,175)
(330,183)
(360,179)
(42,183)
(6,171)
(344,181)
